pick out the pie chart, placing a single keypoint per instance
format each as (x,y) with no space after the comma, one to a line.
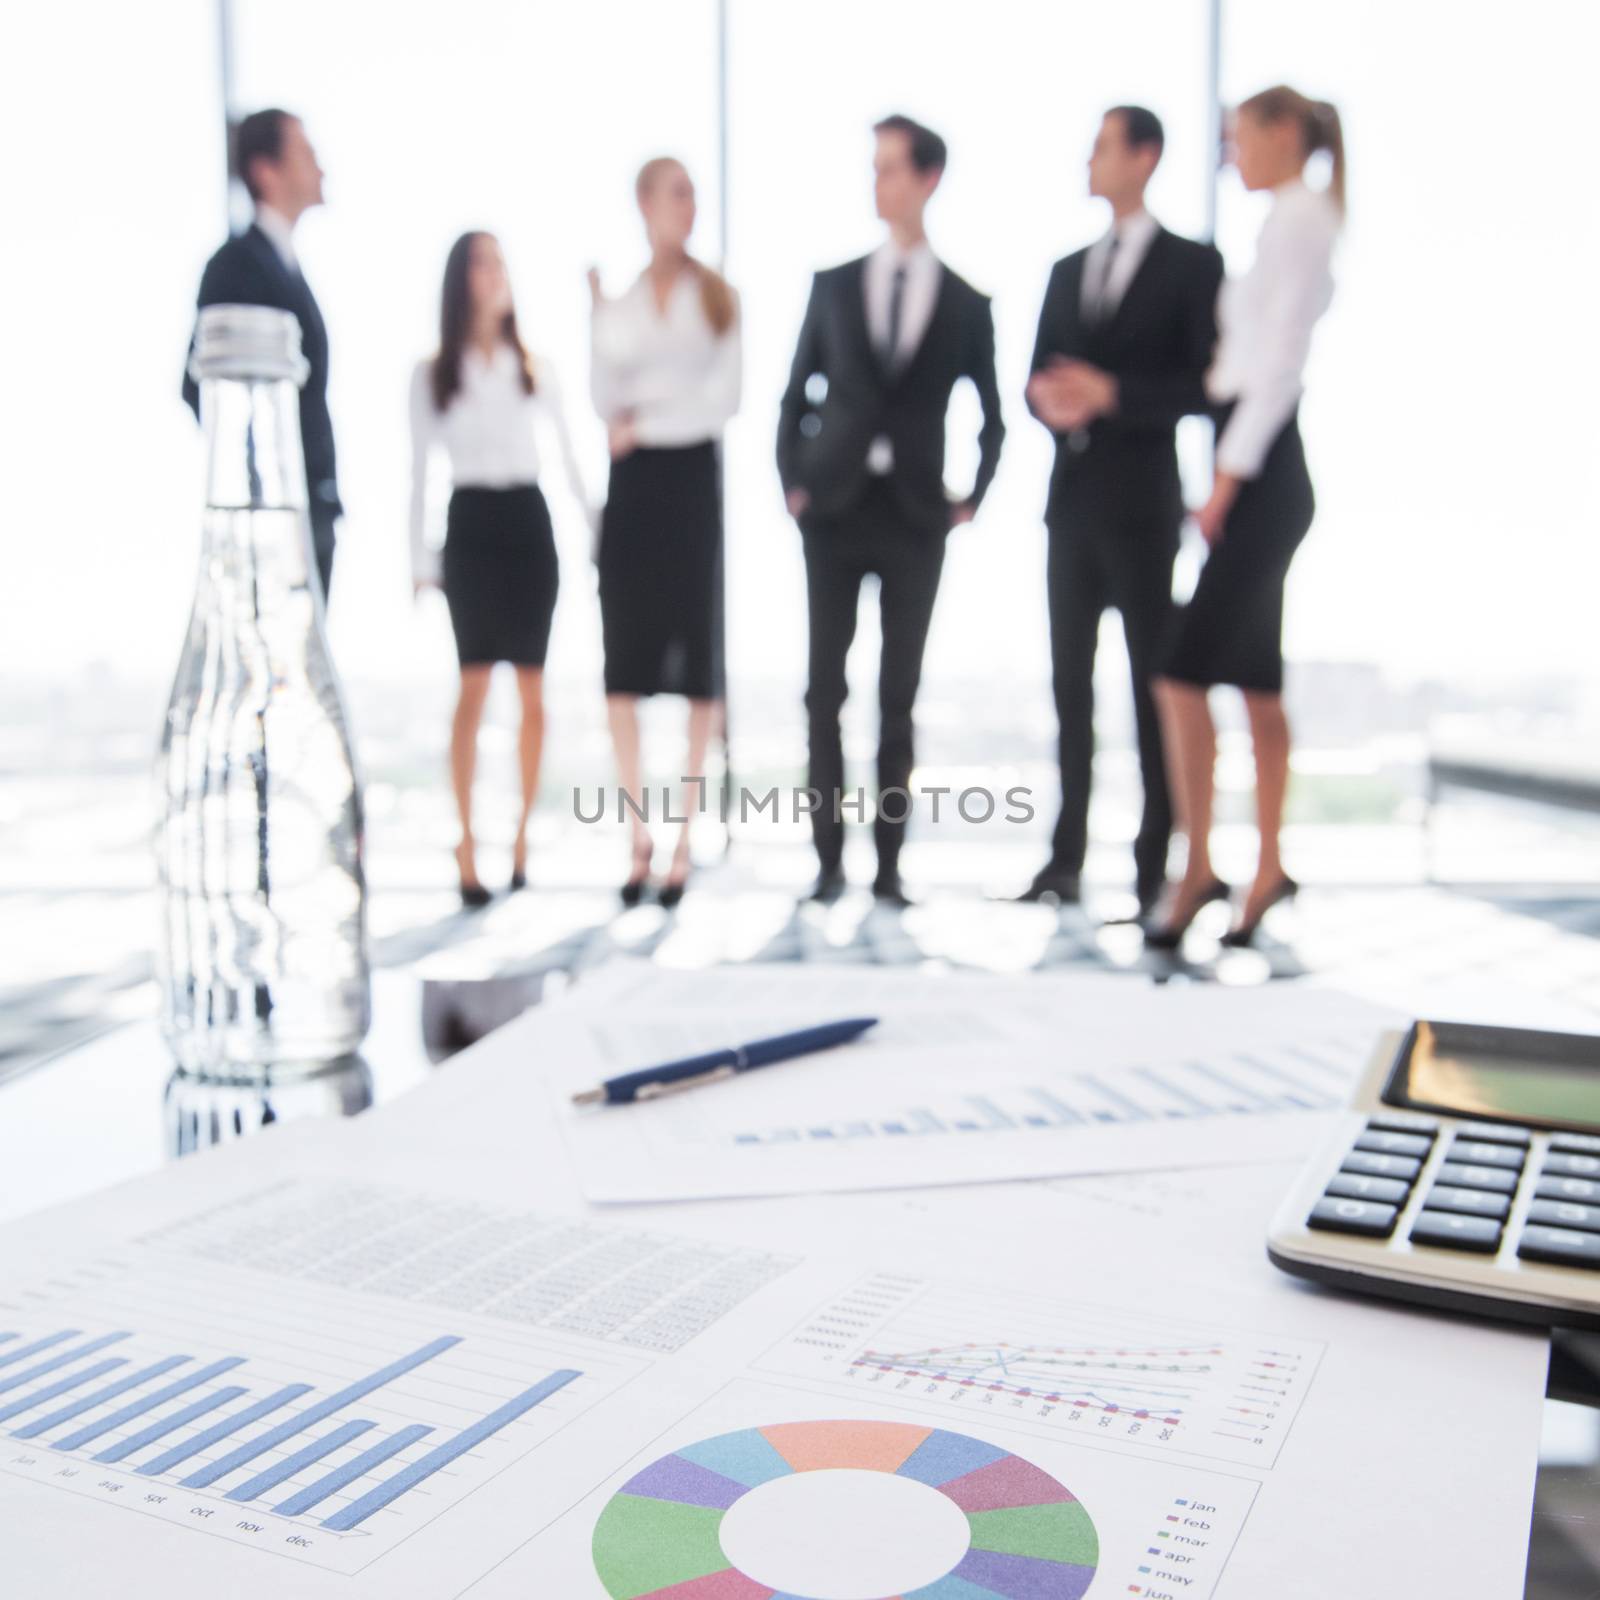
(1019,1534)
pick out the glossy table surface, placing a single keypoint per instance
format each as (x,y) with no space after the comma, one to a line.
(114,1109)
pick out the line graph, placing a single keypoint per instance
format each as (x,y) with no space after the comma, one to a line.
(1063,1367)
(1141,1383)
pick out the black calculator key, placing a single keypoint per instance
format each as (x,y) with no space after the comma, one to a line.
(1454,1232)
(1561,1247)
(1382,1142)
(1403,1122)
(1554,1188)
(1496,1179)
(1480,1153)
(1571,1166)
(1379,1166)
(1470,1202)
(1581,1144)
(1353,1186)
(1565,1214)
(1353,1216)
(1493,1133)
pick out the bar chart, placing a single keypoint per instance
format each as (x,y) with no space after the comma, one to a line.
(1313,1075)
(303,1422)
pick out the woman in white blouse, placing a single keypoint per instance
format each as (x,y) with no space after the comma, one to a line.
(665,373)
(477,402)
(1261,502)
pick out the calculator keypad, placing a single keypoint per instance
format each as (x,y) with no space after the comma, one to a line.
(1469,1202)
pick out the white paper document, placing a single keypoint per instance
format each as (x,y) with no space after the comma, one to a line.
(295,1377)
(1096,1075)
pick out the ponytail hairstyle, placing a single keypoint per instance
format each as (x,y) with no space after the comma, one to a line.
(455,326)
(716,293)
(1318,121)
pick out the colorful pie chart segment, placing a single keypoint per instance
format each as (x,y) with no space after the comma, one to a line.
(657,1537)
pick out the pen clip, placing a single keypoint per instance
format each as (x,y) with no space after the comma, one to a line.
(654,1091)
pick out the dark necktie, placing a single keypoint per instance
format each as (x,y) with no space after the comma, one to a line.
(897,296)
(1100,307)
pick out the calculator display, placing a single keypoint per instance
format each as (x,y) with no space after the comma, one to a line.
(1499,1074)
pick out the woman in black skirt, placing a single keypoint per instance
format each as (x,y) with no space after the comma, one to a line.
(479,400)
(666,369)
(1261,502)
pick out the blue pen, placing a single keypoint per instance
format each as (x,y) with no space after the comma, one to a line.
(651,1082)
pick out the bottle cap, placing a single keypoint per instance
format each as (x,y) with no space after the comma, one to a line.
(248,342)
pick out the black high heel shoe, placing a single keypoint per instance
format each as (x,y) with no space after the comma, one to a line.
(474,897)
(1170,935)
(632,892)
(1243,936)
(671,892)
(519,874)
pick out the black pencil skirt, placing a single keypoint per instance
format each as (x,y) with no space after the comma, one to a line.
(500,575)
(661,573)
(1231,631)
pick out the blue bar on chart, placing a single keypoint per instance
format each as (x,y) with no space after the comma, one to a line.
(315,1451)
(1237,1103)
(1191,1105)
(358,1466)
(192,1446)
(1256,1100)
(22,1352)
(1123,1109)
(137,1408)
(1298,1094)
(1055,1104)
(99,1397)
(314,1414)
(64,1359)
(442,1455)
(165,1425)
(60,1386)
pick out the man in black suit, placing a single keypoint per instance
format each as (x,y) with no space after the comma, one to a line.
(275,161)
(861,456)
(1125,337)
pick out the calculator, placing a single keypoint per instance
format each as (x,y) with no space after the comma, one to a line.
(1465,1176)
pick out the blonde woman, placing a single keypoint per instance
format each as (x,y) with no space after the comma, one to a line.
(666,376)
(1261,502)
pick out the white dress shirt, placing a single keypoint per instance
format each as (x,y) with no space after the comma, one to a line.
(1134,233)
(280,230)
(917,300)
(488,433)
(1265,320)
(668,369)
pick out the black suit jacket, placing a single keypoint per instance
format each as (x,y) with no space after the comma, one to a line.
(248,271)
(1157,343)
(840,397)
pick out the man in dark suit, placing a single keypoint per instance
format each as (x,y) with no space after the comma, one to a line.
(1125,337)
(275,161)
(861,456)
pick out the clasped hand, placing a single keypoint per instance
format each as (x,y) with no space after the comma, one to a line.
(1070,394)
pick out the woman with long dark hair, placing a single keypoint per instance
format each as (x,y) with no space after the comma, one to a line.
(666,374)
(1261,503)
(479,400)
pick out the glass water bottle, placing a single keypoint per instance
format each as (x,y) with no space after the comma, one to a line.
(263,965)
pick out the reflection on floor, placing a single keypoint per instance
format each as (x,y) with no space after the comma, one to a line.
(747,907)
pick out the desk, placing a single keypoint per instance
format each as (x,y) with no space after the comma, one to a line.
(115,1109)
